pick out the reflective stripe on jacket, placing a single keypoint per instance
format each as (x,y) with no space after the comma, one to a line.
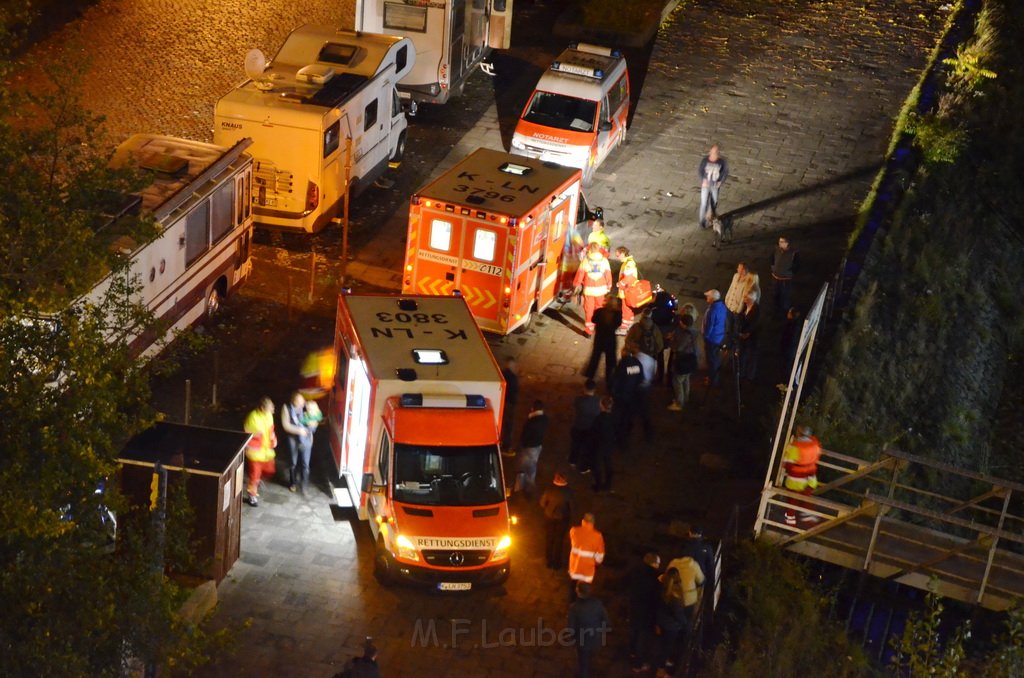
(595,275)
(587,552)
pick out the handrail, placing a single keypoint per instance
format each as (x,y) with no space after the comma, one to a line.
(945,518)
(948,468)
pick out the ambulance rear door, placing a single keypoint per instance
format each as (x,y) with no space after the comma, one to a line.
(485,264)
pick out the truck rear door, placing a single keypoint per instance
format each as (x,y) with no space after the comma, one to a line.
(549,282)
(482,271)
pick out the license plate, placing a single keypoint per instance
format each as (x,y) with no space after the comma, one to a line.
(454,586)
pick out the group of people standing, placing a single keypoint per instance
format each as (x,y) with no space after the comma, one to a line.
(300,419)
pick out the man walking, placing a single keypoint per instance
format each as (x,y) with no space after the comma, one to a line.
(747,335)
(712,171)
(785,263)
(684,360)
(586,552)
(300,441)
(510,373)
(603,446)
(259,451)
(585,407)
(714,333)
(530,444)
(629,377)
(800,461)
(593,280)
(557,504)
(588,620)
(644,598)
(606,322)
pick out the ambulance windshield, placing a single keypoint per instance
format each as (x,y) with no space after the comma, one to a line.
(448,476)
(561,112)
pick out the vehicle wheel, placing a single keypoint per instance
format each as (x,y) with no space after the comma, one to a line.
(212,301)
(399,149)
(383,565)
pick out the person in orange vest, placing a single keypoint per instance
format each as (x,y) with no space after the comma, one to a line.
(259,451)
(586,552)
(800,461)
(594,281)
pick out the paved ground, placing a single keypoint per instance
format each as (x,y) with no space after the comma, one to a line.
(799,93)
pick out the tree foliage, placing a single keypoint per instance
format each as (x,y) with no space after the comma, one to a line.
(70,397)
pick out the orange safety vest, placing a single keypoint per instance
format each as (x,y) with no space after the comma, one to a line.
(261,446)
(587,552)
(595,275)
(801,462)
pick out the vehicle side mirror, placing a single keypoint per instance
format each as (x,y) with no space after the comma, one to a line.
(605,126)
(367,482)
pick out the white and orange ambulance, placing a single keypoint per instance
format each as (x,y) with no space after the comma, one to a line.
(415,417)
(498,229)
(578,112)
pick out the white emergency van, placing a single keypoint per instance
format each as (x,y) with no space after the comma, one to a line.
(324,86)
(578,112)
(452,37)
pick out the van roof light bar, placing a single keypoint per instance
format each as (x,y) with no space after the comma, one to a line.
(596,49)
(577,69)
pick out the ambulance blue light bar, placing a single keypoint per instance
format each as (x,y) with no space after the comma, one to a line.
(587,48)
(442,400)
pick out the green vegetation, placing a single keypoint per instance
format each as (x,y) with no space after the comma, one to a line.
(70,396)
(921,360)
(782,624)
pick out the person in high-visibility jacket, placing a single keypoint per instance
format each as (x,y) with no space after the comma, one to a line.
(800,461)
(586,552)
(629,278)
(594,281)
(259,451)
(599,237)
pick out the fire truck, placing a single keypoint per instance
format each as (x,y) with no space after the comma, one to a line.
(503,230)
(415,414)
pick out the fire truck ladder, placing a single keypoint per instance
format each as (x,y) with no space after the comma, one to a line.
(885,518)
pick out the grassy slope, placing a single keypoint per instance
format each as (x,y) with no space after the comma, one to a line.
(921,362)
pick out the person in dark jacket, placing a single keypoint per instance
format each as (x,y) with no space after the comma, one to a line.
(704,555)
(627,382)
(588,620)
(603,437)
(747,334)
(606,321)
(673,618)
(530,444)
(712,171)
(557,503)
(586,407)
(644,599)
(362,667)
(790,341)
(785,264)
(511,375)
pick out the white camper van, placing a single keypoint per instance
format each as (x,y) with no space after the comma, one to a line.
(199,196)
(451,38)
(324,86)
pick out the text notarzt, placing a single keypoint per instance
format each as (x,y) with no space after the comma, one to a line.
(426,633)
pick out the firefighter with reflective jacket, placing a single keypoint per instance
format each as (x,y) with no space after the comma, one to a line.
(586,552)
(800,461)
(259,451)
(594,281)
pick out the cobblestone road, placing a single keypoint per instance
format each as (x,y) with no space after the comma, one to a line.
(800,94)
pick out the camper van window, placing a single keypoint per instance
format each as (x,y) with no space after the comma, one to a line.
(440,235)
(370,115)
(484,244)
(401,58)
(332,138)
(334,53)
(404,18)
(197,233)
(222,203)
(561,112)
(458,17)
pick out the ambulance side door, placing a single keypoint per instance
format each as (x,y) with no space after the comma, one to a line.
(548,282)
(381,477)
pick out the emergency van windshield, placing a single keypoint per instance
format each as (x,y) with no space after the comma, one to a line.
(448,476)
(561,112)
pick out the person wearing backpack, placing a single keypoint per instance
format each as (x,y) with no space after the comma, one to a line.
(646,335)
(684,360)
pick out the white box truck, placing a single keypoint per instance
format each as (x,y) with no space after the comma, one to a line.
(415,415)
(324,87)
(452,37)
